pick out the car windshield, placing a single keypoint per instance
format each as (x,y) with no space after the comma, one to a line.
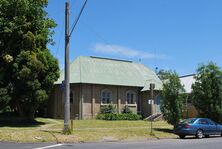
(189,121)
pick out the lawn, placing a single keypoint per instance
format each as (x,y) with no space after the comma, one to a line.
(49,130)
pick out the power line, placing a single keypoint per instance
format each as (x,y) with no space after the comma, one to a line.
(60,37)
(99,36)
(93,31)
(72,5)
(77,19)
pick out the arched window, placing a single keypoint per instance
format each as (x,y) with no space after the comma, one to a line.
(71,97)
(130,97)
(106,96)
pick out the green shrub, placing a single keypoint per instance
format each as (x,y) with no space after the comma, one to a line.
(126,109)
(123,116)
(100,116)
(104,109)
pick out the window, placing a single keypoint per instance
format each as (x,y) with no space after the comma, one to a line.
(131,97)
(106,96)
(71,97)
(189,121)
(211,122)
(203,121)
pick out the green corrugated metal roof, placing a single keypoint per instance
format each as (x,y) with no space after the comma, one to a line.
(96,70)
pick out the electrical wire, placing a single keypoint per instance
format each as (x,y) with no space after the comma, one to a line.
(99,36)
(77,19)
(60,38)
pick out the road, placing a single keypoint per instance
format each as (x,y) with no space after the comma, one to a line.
(191,143)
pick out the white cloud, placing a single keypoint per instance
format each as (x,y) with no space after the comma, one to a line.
(126,52)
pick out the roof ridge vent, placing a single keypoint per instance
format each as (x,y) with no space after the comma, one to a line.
(111,59)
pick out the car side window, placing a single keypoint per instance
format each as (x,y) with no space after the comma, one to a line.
(203,122)
(211,122)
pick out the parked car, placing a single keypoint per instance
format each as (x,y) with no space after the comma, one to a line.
(199,127)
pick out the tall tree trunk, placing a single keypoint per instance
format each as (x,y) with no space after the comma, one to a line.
(26,115)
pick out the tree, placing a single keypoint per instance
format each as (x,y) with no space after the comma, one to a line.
(4,98)
(207,91)
(164,74)
(27,69)
(172,97)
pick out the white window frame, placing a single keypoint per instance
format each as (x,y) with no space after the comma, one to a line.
(106,91)
(130,92)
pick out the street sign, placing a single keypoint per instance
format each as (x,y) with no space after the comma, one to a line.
(62,86)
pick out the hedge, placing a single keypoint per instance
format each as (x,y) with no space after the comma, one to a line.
(123,116)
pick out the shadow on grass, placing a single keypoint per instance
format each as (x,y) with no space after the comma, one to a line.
(166,130)
(15,121)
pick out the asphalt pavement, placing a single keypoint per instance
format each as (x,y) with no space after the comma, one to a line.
(189,143)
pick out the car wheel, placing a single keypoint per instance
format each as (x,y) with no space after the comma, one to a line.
(199,134)
(182,136)
(221,134)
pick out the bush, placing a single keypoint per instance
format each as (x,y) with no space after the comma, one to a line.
(7,109)
(123,116)
(108,109)
(126,109)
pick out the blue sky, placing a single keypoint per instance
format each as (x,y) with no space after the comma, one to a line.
(168,34)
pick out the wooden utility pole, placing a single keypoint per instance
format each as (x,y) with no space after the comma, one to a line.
(67,86)
(152,86)
(68,34)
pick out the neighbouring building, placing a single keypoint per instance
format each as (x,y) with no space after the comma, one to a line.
(187,82)
(96,81)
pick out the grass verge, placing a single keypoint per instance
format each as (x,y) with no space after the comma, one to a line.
(50,130)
